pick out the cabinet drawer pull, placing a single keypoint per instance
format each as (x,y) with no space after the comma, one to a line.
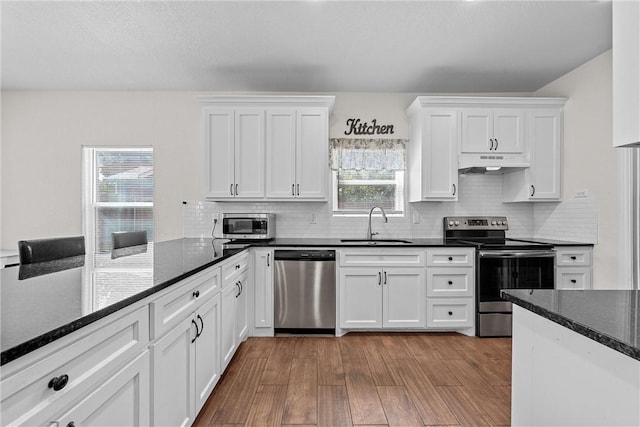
(451,313)
(574,281)
(573,258)
(197,331)
(196,293)
(201,326)
(71,424)
(450,282)
(450,258)
(58,383)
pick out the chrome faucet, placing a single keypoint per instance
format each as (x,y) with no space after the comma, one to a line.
(369,233)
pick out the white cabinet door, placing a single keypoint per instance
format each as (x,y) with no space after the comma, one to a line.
(249,153)
(508,131)
(360,298)
(207,358)
(242,319)
(219,153)
(228,324)
(404,298)
(312,154)
(440,170)
(544,138)
(263,288)
(492,130)
(281,153)
(173,358)
(477,130)
(122,400)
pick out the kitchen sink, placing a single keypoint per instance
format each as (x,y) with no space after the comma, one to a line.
(376,241)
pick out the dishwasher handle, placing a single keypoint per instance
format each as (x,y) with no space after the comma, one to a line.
(304,255)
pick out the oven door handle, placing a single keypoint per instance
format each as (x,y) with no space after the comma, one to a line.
(516,254)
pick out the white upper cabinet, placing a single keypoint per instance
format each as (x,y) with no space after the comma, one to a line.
(267,146)
(297,153)
(492,130)
(626,73)
(432,153)
(234,153)
(541,181)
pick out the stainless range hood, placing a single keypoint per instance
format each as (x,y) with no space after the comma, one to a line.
(491,164)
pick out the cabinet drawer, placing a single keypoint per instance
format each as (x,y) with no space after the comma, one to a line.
(573,278)
(440,257)
(449,312)
(88,357)
(171,308)
(382,258)
(234,266)
(573,256)
(451,282)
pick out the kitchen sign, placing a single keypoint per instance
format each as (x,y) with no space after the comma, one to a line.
(357,127)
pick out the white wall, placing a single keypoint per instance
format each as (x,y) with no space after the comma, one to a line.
(42,136)
(589,163)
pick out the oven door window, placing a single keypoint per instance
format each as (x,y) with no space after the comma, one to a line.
(500,273)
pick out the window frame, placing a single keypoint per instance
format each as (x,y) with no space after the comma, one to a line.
(401,197)
(90,205)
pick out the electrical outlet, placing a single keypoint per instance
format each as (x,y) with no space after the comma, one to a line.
(313,218)
(582,193)
(416,217)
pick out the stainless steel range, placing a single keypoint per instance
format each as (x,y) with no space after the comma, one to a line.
(501,263)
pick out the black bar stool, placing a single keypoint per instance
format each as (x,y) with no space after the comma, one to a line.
(123,239)
(41,250)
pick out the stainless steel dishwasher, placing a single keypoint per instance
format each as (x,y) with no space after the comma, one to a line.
(305,291)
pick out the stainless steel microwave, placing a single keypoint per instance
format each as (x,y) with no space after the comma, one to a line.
(248,226)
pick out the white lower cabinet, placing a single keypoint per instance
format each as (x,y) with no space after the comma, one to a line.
(451,289)
(233,308)
(83,377)
(263,292)
(387,296)
(574,267)
(122,400)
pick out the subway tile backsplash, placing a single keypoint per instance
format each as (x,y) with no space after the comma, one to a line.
(574,219)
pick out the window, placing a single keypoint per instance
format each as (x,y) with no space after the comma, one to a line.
(368,173)
(359,191)
(118,193)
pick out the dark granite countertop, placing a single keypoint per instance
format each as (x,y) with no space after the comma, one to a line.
(335,242)
(552,241)
(42,302)
(610,317)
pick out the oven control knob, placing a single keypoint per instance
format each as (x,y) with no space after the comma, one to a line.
(450,223)
(493,223)
(457,223)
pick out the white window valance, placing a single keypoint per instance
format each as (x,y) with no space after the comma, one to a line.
(367,154)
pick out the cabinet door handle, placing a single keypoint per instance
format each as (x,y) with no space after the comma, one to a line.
(241,286)
(298,188)
(496,147)
(231,189)
(385,277)
(379,278)
(71,424)
(196,294)
(201,326)
(491,147)
(533,190)
(58,383)
(293,189)
(237,190)
(454,190)
(268,257)
(238,288)
(197,331)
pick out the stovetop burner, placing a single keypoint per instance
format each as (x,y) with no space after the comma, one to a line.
(485,233)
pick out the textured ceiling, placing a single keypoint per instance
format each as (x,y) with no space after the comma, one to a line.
(299,46)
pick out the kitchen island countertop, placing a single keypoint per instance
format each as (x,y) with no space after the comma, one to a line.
(609,317)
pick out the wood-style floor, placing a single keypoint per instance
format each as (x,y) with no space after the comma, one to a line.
(365,379)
